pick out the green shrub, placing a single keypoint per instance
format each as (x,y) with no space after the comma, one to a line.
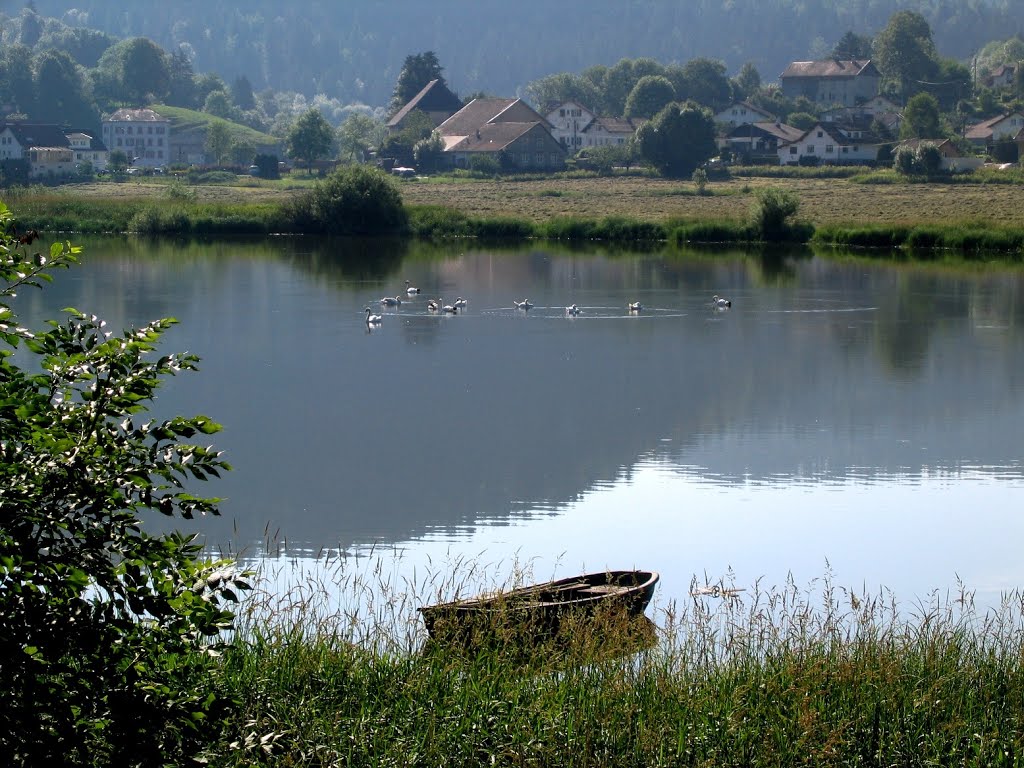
(106,631)
(772,212)
(354,200)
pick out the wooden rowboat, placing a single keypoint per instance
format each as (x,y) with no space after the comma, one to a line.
(540,609)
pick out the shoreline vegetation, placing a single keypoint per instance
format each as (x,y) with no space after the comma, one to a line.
(877,210)
(783,676)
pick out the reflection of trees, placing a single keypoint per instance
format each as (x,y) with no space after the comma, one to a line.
(906,320)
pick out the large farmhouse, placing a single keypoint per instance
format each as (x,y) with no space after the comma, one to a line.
(508,130)
(832,81)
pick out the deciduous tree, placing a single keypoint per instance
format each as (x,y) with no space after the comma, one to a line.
(678,139)
(310,138)
(650,95)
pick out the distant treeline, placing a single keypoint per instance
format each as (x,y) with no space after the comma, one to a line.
(354,50)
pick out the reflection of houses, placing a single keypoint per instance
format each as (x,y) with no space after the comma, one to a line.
(142,134)
(49,150)
(952,158)
(508,130)
(831,81)
(999,128)
(761,140)
(743,113)
(831,144)
(434,99)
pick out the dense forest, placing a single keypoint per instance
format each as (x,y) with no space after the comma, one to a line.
(353,51)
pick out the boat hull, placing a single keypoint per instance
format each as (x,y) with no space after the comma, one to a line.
(542,610)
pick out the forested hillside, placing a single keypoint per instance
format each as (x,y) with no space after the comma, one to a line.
(354,50)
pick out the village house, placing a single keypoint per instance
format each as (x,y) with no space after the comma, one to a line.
(568,121)
(49,150)
(142,134)
(831,144)
(753,142)
(611,131)
(435,100)
(508,130)
(88,148)
(1003,76)
(831,81)
(743,113)
(999,128)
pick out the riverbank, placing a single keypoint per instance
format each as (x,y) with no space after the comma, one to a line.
(792,676)
(876,211)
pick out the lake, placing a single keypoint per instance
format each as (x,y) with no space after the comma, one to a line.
(852,417)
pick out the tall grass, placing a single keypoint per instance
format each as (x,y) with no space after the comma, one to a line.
(816,675)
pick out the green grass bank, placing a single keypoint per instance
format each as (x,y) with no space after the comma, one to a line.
(785,677)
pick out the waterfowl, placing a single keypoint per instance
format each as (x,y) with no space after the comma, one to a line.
(389,301)
(635,306)
(720,303)
(433,306)
(524,304)
(449,309)
(410,289)
(572,311)
(460,302)
(372,319)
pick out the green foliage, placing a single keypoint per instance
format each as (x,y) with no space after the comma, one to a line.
(106,631)
(485,165)
(218,142)
(802,120)
(678,139)
(649,96)
(923,160)
(310,138)
(700,179)
(905,52)
(428,152)
(921,118)
(771,213)
(417,70)
(269,166)
(354,200)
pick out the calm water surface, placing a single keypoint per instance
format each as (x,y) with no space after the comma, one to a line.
(852,417)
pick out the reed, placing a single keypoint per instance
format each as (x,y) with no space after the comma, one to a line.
(813,675)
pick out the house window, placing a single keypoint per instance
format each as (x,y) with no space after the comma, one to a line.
(792,150)
(810,149)
(829,148)
(561,113)
(846,150)
(820,134)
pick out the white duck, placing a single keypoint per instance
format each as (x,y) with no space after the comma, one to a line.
(372,319)
(389,301)
(460,303)
(449,309)
(410,289)
(572,311)
(433,306)
(634,306)
(720,303)
(524,304)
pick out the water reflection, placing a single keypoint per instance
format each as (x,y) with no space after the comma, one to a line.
(852,383)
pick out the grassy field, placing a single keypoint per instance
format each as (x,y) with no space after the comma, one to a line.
(822,201)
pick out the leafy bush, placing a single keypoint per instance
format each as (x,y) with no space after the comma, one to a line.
(106,631)
(354,200)
(771,213)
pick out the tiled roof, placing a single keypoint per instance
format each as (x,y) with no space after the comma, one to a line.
(983,130)
(480,112)
(623,125)
(831,68)
(491,137)
(135,116)
(434,97)
(781,131)
(37,134)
